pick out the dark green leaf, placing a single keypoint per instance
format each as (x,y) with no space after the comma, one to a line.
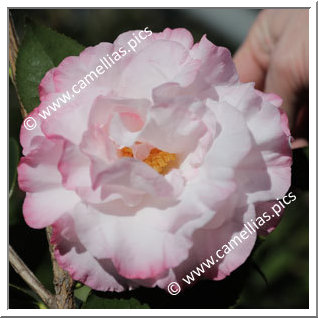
(95,302)
(27,292)
(16,196)
(283,259)
(13,162)
(24,298)
(225,293)
(41,50)
(300,169)
(15,116)
(306,152)
(15,205)
(261,273)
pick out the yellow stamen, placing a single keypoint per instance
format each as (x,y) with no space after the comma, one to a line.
(159,160)
(125,152)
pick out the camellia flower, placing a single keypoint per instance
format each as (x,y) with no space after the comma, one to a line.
(155,165)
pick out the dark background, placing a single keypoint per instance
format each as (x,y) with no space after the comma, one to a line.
(275,276)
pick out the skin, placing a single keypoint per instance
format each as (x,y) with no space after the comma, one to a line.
(275,55)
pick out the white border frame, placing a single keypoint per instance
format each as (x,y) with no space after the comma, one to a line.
(312,163)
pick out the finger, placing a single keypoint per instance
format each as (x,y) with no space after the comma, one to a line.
(248,66)
(301,129)
(299,143)
(278,82)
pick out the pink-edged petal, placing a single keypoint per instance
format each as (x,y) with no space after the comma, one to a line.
(119,133)
(265,172)
(38,163)
(180,35)
(97,144)
(270,97)
(233,142)
(216,182)
(132,112)
(31,139)
(58,124)
(77,73)
(257,107)
(74,167)
(75,68)
(92,225)
(179,135)
(277,101)
(168,91)
(72,256)
(266,210)
(242,250)
(141,150)
(206,243)
(47,85)
(216,66)
(158,63)
(129,174)
(41,209)
(118,223)
(100,149)
(151,245)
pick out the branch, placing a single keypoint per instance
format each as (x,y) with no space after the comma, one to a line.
(13,53)
(22,270)
(13,44)
(62,281)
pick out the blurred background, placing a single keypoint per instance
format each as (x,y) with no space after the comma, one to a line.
(275,276)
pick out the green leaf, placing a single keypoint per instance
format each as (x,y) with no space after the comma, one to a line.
(95,302)
(41,50)
(82,293)
(13,162)
(41,305)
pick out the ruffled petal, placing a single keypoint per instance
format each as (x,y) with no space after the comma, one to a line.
(41,209)
(40,162)
(265,173)
(82,266)
(179,135)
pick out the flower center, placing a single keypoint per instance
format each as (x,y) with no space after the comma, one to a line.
(159,160)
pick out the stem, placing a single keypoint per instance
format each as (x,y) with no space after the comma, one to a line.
(22,270)
(63,283)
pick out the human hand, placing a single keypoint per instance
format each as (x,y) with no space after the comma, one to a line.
(275,55)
